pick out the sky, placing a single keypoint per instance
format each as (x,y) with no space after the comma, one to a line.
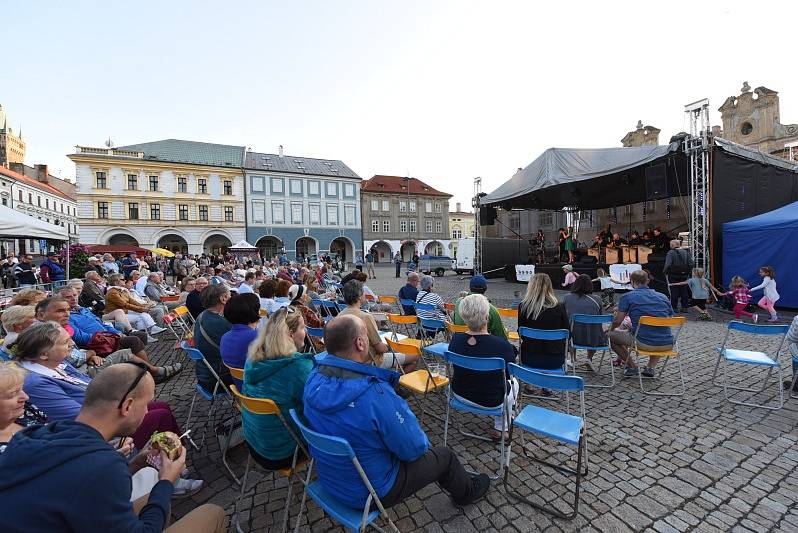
(442,91)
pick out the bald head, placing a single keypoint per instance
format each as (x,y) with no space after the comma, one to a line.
(341,335)
(105,391)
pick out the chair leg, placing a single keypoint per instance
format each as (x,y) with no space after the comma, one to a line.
(681,391)
(304,497)
(236,515)
(727,387)
(792,385)
(227,447)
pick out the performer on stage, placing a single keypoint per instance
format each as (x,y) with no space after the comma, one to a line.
(617,241)
(635,239)
(662,242)
(648,237)
(540,240)
(561,242)
(570,243)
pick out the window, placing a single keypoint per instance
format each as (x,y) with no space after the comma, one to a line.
(375,205)
(258,212)
(332,189)
(472,233)
(584,214)
(457,233)
(428,226)
(438,207)
(386,205)
(651,207)
(202,187)
(428,207)
(278,213)
(182,184)
(20,196)
(155,211)
(133,211)
(515,221)
(412,226)
(296,213)
(349,215)
(30,198)
(313,188)
(386,226)
(349,190)
(182,211)
(39,201)
(62,208)
(313,211)
(228,213)
(332,215)
(203,212)
(375,226)
(47,203)
(545,218)
(277,185)
(132,182)
(628,209)
(102,180)
(412,206)
(5,200)
(102,209)
(438,226)
(296,186)
(228,188)
(403,225)
(256,184)
(402,206)
(153,183)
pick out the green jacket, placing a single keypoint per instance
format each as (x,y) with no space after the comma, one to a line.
(283,381)
(495,324)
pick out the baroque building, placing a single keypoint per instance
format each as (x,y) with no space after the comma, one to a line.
(462,224)
(180,195)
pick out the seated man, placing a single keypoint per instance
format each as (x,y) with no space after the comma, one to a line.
(93,294)
(154,290)
(641,301)
(36,462)
(209,328)
(409,292)
(479,285)
(345,396)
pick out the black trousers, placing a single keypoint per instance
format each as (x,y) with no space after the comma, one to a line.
(440,465)
(398,268)
(679,292)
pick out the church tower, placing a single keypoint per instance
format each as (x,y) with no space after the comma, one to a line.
(12,147)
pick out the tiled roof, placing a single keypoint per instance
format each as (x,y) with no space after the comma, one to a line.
(398,184)
(34,183)
(298,165)
(190,152)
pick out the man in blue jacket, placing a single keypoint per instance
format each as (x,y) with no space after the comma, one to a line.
(347,397)
(409,292)
(65,476)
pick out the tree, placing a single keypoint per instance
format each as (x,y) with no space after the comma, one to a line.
(78,259)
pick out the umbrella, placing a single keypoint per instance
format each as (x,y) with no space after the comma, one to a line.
(162,251)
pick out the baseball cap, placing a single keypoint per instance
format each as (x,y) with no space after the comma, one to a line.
(478,282)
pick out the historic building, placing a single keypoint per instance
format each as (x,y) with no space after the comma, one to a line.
(12,147)
(461,224)
(41,196)
(404,214)
(302,206)
(181,195)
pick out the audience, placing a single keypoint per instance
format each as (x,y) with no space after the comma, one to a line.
(409,292)
(347,397)
(353,297)
(582,301)
(209,328)
(281,298)
(247,284)
(16,319)
(540,310)
(119,296)
(427,296)
(16,412)
(194,298)
(242,311)
(479,285)
(266,293)
(186,286)
(28,297)
(299,301)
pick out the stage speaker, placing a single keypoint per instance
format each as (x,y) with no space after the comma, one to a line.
(656,182)
(588,260)
(487,215)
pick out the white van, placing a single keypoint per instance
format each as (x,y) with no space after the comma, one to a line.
(465,256)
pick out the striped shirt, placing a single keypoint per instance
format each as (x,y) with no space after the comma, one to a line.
(740,294)
(431,298)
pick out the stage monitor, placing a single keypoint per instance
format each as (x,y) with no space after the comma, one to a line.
(656,182)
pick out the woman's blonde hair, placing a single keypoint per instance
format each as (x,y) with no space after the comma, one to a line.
(274,338)
(28,297)
(539,296)
(16,314)
(11,375)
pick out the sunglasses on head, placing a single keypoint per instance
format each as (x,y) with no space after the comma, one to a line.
(136,381)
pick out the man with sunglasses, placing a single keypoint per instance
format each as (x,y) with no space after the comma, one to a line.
(63,460)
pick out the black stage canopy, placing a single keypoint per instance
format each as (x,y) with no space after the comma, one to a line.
(595,178)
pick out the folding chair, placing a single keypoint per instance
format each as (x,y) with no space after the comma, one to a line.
(429,328)
(329,306)
(476,364)
(794,352)
(650,322)
(419,381)
(184,315)
(403,302)
(556,425)
(749,357)
(546,335)
(267,407)
(594,321)
(353,519)
(404,322)
(317,333)
(455,328)
(176,326)
(504,312)
(393,301)
(219,391)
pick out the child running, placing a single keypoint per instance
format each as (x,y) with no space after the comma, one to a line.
(607,292)
(699,291)
(768,301)
(741,294)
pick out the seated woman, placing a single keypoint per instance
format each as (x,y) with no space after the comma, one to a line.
(480,388)
(581,301)
(58,388)
(119,297)
(16,319)
(16,412)
(281,298)
(540,310)
(243,312)
(266,293)
(186,286)
(275,369)
(28,297)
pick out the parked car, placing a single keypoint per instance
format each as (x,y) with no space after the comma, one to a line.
(438,264)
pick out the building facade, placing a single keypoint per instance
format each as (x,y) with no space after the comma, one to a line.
(462,224)
(404,215)
(302,206)
(12,147)
(180,195)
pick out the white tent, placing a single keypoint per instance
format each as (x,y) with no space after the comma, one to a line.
(242,246)
(19,225)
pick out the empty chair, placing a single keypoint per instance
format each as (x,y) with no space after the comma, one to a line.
(590,333)
(314,333)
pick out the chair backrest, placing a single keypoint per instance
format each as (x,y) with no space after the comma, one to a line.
(448,306)
(759,329)
(508,313)
(388,299)
(425,307)
(407,349)
(431,323)
(402,319)
(479,364)
(544,334)
(662,321)
(237,373)
(323,443)
(317,302)
(578,318)
(258,406)
(169,318)
(407,303)
(315,332)
(456,328)
(561,382)
(181,310)
(193,353)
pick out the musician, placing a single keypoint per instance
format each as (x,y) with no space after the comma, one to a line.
(561,242)
(598,241)
(648,237)
(635,239)
(570,243)
(617,241)
(540,240)
(661,242)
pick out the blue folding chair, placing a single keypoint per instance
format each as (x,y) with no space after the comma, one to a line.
(753,358)
(352,519)
(794,352)
(593,321)
(562,427)
(477,364)
(330,306)
(219,391)
(546,335)
(404,302)
(429,328)
(314,333)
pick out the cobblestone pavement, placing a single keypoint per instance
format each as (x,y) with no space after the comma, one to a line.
(696,463)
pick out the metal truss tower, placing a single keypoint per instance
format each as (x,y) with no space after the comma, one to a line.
(475,203)
(696,146)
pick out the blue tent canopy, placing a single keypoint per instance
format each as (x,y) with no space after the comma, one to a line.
(766,239)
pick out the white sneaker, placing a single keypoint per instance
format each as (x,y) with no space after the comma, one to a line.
(154,330)
(186,487)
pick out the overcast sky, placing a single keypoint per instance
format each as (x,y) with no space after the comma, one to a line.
(444,91)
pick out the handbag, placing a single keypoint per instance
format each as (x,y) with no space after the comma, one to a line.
(103,343)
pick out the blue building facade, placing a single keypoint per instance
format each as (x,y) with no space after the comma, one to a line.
(302,206)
